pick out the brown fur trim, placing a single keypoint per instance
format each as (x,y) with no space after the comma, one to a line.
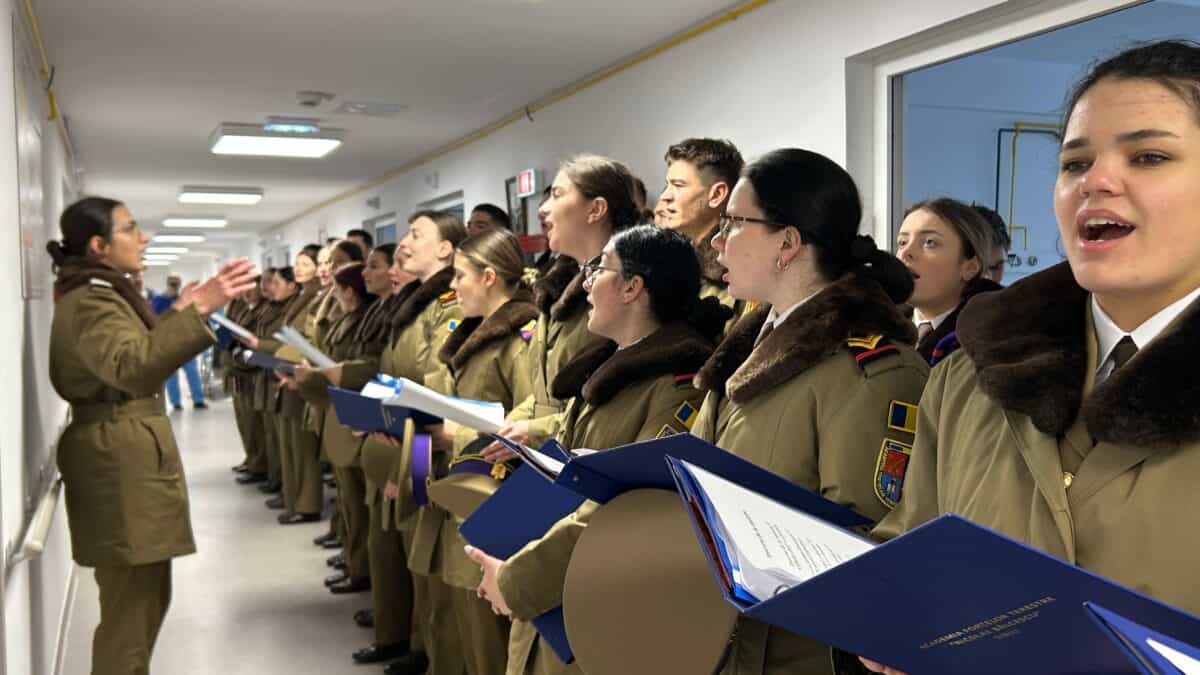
(853,305)
(980,285)
(711,270)
(551,285)
(1027,344)
(419,298)
(599,372)
(475,333)
(572,301)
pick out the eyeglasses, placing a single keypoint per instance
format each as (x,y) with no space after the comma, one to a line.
(725,224)
(591,269)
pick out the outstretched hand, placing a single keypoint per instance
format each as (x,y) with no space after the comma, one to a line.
(879,667)
(237,277)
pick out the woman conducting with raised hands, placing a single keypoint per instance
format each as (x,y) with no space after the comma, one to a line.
(808,384)
(127,502)
(636,385)
(1067,420)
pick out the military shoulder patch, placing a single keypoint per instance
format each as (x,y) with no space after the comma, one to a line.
(447,297)
(685,414)
(890,468)
(870,348)
(528,330)
(451,325)
(100,282)
(902,417)
(667,430)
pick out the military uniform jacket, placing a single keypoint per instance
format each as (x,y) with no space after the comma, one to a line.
(940,342)
(424,320)
(290,404)
(127,501)
(826,400)
(228,375)
(269,322)
(337,442)
(321,314)
(243,374)
(615,397)
(561,332)
(486,359)
(1016,407)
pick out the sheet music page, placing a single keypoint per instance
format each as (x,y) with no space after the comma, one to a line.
(293,337)
(772,546)
(479,415)
(233,327)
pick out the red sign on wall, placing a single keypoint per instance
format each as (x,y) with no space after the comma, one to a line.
(526,183)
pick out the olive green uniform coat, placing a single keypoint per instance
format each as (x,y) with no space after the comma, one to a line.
(812,402)
(615,398)
(1006,417)
(126,497)
(488,363)
(561,332)
(299,448)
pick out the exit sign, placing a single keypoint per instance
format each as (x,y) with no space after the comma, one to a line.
(527,183)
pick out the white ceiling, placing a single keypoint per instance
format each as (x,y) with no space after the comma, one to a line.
(144,82)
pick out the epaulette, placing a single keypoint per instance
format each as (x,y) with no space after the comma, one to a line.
(528,330)
(869,349)
(100,282)
(685,380)
(447,297)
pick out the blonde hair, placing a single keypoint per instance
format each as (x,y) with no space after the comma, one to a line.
(499,250)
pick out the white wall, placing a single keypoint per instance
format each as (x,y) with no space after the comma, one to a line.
(775,77)
(35,594)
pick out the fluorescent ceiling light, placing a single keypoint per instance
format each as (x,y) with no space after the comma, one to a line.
(196,222)
(251,139)
(156,263)
(193,194)
(179,238)
(166,249)
(160,256)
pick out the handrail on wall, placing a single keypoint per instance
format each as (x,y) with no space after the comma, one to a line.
(38,528)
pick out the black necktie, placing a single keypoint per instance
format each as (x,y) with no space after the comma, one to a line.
(1124,351)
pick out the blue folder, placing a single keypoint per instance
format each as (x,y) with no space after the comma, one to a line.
(521,510)
(269,362)
(1133,640)
(363,413)
(606,474)
(954,597)
(225,337)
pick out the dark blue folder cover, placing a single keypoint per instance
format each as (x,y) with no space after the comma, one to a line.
(359,412)
(225,337)
(604,475)
(521,510)
(954,597)
(269,362)
(1132,639)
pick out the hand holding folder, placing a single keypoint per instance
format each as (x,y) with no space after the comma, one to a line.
(948,597)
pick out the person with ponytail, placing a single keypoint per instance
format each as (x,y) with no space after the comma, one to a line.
(485,359)
(819,383)
(635,385)
(416,606)
(947,246)
(282,294)
(338,342)
(1066,421)
(298,446)
(126,497)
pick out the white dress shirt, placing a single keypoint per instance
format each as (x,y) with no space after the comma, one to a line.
(1108,334)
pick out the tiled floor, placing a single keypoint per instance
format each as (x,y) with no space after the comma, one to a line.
(251,600)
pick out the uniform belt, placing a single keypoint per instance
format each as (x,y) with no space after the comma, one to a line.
(87,413)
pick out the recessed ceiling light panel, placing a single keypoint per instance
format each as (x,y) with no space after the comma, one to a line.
(234,196)
(179,238)
(199,222)
(160,256)
(166,249)
(258,140)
